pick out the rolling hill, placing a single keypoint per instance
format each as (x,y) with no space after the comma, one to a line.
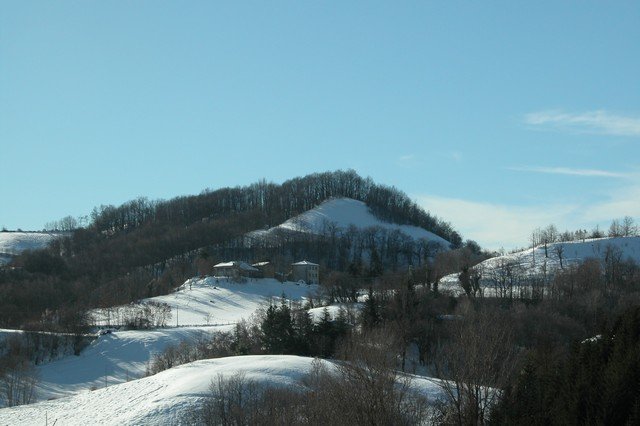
(169,396)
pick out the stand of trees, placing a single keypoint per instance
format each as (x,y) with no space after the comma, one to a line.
(278,330)
(595,383)
(364,389)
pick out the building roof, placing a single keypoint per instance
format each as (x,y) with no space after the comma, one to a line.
(234,263)
(305,262)
(245,266)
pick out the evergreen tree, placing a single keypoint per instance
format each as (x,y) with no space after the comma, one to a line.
(370,315)
(278,335)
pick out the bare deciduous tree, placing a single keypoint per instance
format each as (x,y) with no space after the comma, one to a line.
(474,364)
(18,379)
(559,250)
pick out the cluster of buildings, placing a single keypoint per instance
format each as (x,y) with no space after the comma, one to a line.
(304,271)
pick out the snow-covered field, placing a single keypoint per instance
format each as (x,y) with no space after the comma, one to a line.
(124,355)
(111,359)
(535,262)
(14,243)
(167,397)
(341,213)
(219,301)
(161,399)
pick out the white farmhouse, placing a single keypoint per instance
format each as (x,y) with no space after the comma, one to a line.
(306,271)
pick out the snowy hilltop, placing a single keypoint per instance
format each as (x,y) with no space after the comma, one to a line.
(337,215)
(14,243)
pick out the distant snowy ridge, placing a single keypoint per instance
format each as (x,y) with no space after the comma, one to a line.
(340,214)
(14,243)
(536,261)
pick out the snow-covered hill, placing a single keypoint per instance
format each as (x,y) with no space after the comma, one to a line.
(204,306)
(540,260)
(340,213)
(167,397)
(99,386)
(14,243)
(164,398)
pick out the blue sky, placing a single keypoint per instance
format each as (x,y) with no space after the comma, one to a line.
(496,116)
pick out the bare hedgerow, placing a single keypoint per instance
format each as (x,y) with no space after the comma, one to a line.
(18,379)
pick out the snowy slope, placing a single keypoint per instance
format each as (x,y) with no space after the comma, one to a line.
(14,243)
(160,399)
(343,212)
(111,359)
(534,261)
(123,355)
(218,301)
(334,311)
(167,397)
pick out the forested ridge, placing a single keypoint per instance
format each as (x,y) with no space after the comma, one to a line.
(271,204)
(145,248)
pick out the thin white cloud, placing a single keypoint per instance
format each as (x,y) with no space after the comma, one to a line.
(406,161)
(506,225)
(571,171)
(620,203)
(600,121)
(494,225)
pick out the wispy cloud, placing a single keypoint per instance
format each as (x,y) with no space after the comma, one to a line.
(406,161)
(495,225)
(571,171)
(599,121)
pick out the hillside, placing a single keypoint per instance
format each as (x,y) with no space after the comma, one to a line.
(535,262)
(337,215)
(218,301)
(204,306)
(100,384)
(161,399)
(167,397)
(14,243)
(146,248)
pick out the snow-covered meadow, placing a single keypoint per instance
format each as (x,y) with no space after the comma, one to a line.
(123,355)
(168,397)
(540,260)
